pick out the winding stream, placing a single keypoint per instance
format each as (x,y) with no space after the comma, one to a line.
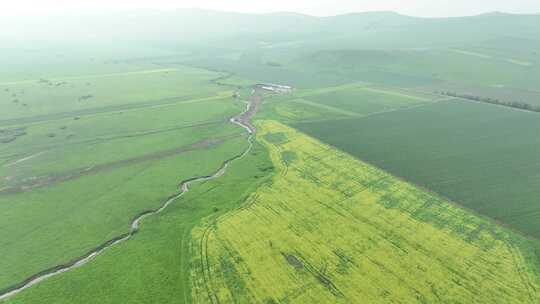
(243,120)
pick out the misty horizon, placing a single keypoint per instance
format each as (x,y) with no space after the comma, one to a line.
(318,8)
(196,9)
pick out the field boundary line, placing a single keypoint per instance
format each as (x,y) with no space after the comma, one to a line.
(326,107)
(121,108)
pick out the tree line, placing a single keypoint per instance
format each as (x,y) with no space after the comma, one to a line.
(513,104)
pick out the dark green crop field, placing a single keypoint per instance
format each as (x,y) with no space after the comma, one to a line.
(482,156)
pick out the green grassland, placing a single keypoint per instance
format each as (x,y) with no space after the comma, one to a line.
(154,266)
(255,69)
(47,227)
(124,88)
(340,102)
(92,140)
(394,58)
(309,68)
(69,183)
(481,156)
(332,229)
(367,100)
(432,66)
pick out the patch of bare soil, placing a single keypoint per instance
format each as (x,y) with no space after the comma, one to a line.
(9,135)
(244,118)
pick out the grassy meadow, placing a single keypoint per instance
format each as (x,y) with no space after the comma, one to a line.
(366,100)
(154,266)
(74,173)
(341,102)
(49,97)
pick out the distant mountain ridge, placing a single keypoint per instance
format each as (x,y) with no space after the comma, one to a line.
(281,33)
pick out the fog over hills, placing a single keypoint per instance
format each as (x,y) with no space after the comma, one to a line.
(203,26)
(262,45)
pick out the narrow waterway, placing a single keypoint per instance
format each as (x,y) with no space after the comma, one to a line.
(243,120)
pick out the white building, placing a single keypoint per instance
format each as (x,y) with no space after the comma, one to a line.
(275,87)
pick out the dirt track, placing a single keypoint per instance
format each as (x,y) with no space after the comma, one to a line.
(49,180)
(243,120)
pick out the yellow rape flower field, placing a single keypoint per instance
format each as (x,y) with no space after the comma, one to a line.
(332,229)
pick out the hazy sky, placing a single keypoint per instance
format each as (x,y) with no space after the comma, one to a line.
(427,8)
